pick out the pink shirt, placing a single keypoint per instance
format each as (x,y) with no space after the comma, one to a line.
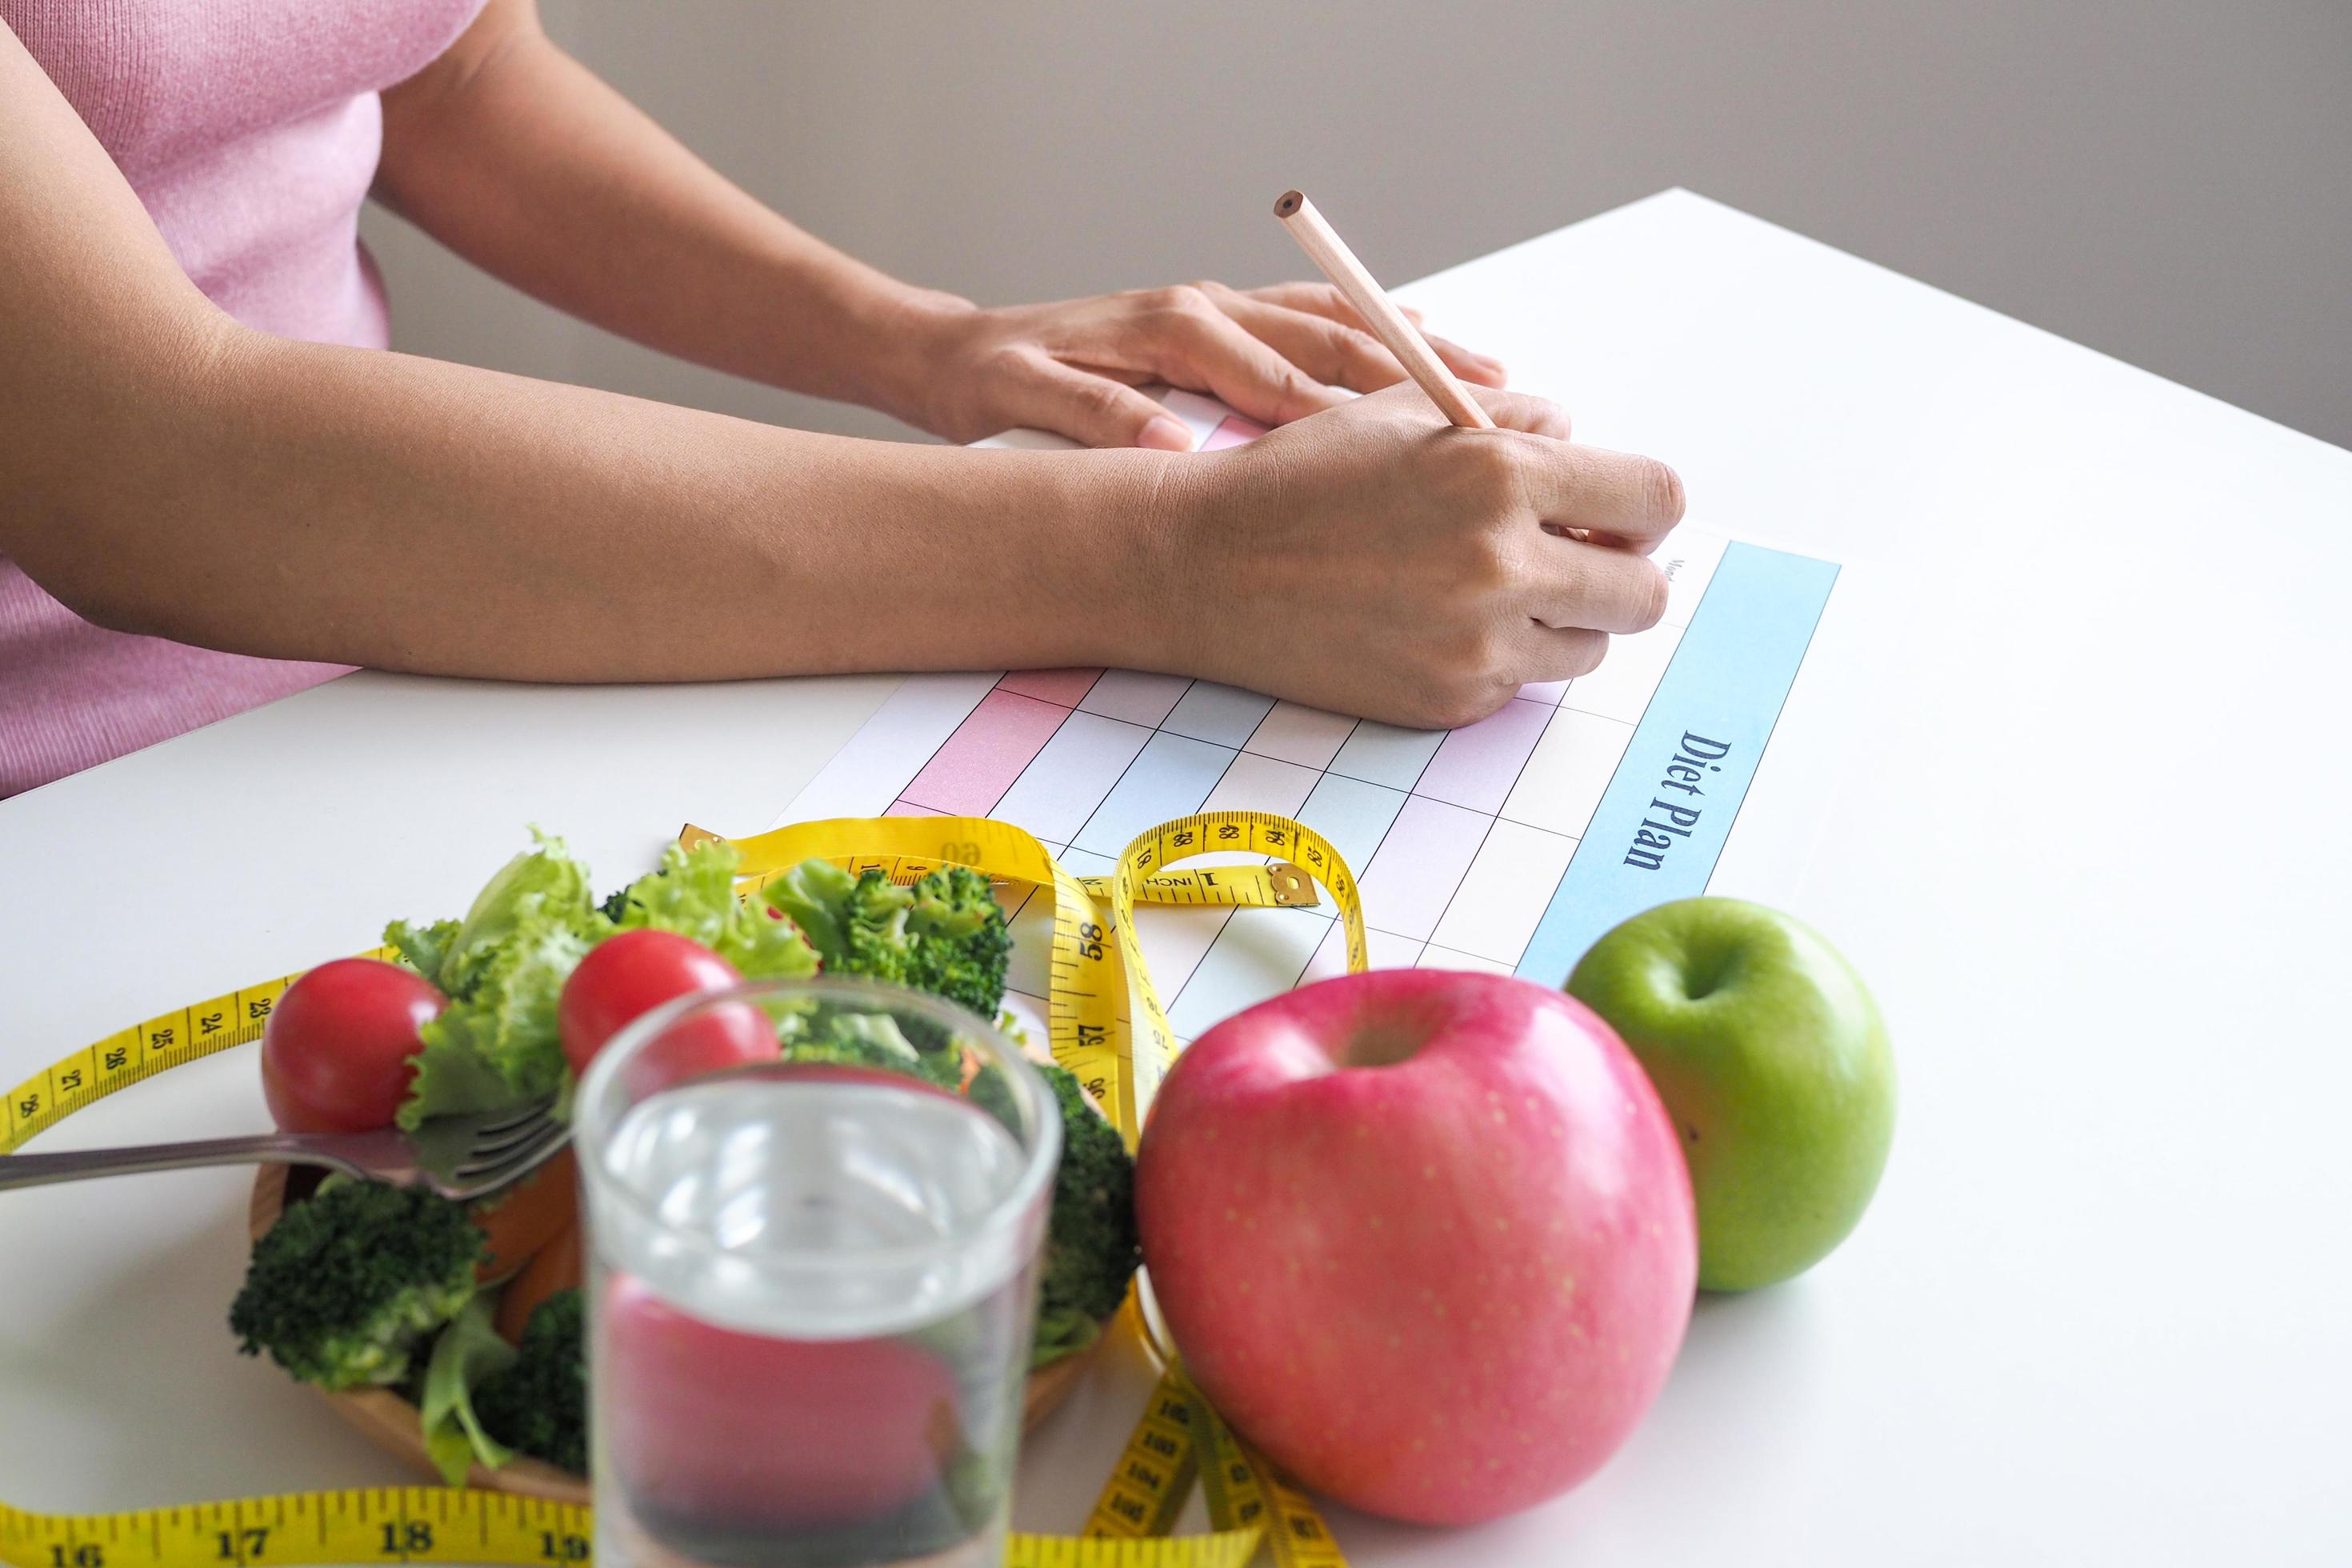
(250,130)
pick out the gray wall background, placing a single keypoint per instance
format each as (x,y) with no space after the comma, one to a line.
(2167,181)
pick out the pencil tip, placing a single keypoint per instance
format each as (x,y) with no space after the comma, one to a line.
(1288,202)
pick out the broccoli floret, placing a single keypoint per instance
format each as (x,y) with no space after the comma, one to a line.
(958,944)
(945,934)
(539,1404)
(344,1288)
(992,1093)
(1091,1244)
(853,921)
(841,1039)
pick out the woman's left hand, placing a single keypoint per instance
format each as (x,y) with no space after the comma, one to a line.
(1273,354)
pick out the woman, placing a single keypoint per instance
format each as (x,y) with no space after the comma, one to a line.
(207,464)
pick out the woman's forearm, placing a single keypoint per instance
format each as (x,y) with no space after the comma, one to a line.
(520,159)
(165,469)
(311,502)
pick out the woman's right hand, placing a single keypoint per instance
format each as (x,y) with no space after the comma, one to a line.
(1375,559)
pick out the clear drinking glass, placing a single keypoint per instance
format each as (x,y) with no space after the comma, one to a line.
(811,1286)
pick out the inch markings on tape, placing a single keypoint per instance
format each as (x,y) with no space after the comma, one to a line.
(1224,1549)
(379,1524)
(1246,1492)
(134,1055)
(1180,1437)
(1097,964)
(1153,1478)
(428,1524)
(1302,850)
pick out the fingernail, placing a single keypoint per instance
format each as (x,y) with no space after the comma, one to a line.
(1165,435)
(1488,362)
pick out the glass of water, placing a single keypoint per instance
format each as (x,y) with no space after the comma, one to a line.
(811,1281)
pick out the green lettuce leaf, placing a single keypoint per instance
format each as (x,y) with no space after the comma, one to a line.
(496,1046)
(468,1353)
(545,882)
(424,951)
(693,894)
(455,1076)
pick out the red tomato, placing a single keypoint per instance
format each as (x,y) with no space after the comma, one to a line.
(718,1425)
(628,976)
(335,1057)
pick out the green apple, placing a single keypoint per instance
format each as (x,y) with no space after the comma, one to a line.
(1773,1062)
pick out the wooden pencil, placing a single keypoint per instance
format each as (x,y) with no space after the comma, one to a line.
(1391,326)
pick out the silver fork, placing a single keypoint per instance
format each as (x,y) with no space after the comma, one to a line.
(459,1157)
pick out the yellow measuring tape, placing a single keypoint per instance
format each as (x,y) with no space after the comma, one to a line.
(136,1054)
(1179,1438)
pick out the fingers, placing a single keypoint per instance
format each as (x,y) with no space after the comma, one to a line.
(1322,299)
(1585,493)
(1523,411)
(1563,653)
(1093,409)
(1480,370)
(1585,588)
(1317,299)
(1629,499)
(1332,351)
(1197,346)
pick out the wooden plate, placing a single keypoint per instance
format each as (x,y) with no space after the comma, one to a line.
(391,1421)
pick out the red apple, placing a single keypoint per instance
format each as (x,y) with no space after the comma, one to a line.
(1425,1239)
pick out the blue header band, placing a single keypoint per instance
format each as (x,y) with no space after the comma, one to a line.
(1669,807)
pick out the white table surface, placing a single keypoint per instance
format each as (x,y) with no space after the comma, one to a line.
(2092,854)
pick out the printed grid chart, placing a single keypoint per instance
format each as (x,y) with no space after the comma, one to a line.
(1464,844)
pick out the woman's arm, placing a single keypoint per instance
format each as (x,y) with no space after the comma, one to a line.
(164,470)
(516,157)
